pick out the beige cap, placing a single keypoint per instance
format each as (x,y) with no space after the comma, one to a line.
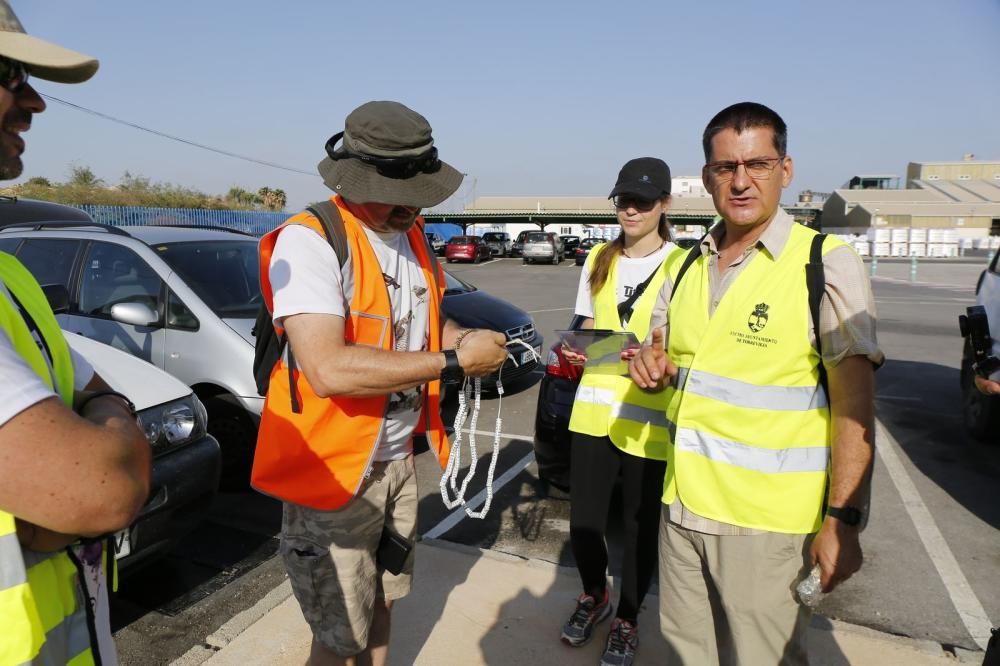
(43,59)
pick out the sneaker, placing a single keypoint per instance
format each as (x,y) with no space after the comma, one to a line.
(580,626)
(623,640)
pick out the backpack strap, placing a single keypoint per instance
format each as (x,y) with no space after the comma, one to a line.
(625,307)
(816,286)
(336,235)
(333,224)
(692,255)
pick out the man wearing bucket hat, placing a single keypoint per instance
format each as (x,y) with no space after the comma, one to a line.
(62,475)
(366,335)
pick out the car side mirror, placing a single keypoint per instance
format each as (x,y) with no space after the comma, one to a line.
(136,314)
(58,297)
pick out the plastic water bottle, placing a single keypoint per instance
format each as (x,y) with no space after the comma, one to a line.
(810,590)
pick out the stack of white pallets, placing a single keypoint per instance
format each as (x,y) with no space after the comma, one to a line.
(898,240)
(942,243)
(880,241)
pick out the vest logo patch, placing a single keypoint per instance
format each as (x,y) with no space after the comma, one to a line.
(758,318)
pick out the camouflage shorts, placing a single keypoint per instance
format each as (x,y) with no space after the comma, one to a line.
(330,556)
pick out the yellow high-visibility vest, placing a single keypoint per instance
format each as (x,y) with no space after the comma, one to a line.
(42,610)
(752,442)
(609,404)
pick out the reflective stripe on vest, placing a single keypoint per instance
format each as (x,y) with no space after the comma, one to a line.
(40,609)
(755,396)
(622,410)
(607,402)
(753,422)
(769,461)
(319,456)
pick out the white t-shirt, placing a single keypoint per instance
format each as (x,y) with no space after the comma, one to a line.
(631,273)
(306,278)
(20,385)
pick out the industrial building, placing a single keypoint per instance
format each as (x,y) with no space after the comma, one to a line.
(945,209)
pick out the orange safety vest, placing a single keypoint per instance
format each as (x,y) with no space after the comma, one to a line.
(320,456)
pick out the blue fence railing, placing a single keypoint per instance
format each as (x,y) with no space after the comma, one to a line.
(250,221)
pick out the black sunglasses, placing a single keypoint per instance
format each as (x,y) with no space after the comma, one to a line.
(391,167)
(623,201)
(13,74)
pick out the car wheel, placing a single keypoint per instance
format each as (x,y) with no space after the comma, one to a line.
(237,438)
(980,412)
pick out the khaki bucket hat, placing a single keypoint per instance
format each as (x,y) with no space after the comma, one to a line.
(387,155)
(44,60)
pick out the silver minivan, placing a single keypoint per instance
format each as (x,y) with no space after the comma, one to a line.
(542,246)
(181,298)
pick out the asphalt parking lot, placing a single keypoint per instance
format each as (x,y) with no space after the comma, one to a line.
(932,547)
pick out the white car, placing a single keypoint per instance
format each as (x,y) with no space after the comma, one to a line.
(981,412)
(185,458)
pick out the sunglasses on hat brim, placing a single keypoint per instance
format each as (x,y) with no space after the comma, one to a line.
(393,167)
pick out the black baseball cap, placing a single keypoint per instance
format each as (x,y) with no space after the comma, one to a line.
(644,177)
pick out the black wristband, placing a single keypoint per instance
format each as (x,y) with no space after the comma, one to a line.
(101,394)
(452,373)
(848,515)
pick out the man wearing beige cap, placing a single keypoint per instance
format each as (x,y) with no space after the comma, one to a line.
(73,462)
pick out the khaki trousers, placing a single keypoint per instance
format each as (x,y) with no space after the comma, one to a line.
(731,599)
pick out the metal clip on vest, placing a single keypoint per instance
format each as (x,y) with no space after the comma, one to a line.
(473,390)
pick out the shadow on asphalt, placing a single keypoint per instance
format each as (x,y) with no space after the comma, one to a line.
(920,404)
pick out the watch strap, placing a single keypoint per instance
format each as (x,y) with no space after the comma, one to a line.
(848,515)
(452,371)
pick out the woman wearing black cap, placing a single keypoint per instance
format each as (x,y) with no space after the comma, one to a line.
(619,429)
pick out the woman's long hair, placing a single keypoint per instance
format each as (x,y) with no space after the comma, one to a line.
(602,265)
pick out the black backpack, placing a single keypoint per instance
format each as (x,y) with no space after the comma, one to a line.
(268,345)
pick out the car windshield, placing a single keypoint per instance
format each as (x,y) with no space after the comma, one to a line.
(462,240)
(537,237)
(224,274)
(492,237)
(590,242)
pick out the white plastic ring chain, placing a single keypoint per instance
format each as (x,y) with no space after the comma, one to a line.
(472,389)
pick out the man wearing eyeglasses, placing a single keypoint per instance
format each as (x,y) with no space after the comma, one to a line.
(772,407)
(73,461)
(368,348)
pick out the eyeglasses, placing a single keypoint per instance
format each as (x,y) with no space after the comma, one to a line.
(759,168)
(390,167)
(13,75)
(623,201)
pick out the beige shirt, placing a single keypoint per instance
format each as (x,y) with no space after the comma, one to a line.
(847,321)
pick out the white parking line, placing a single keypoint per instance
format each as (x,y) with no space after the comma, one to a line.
(456,516)
(550,310)
(962,596)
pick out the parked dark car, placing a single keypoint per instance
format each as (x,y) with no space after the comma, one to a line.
(686,242)
(570,243)
(518,246)
(499,243)
(556,393)
(581,252)
(437,243)
(467,248)
(471,307)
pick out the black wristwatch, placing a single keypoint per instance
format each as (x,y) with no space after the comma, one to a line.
(452,373)
(845,514)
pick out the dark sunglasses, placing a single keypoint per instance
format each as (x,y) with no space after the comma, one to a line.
(13,74)
(390,167)
(623,201)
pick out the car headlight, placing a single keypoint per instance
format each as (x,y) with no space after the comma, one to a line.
(174,423)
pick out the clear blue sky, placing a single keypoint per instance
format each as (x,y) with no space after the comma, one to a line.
(530,98)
